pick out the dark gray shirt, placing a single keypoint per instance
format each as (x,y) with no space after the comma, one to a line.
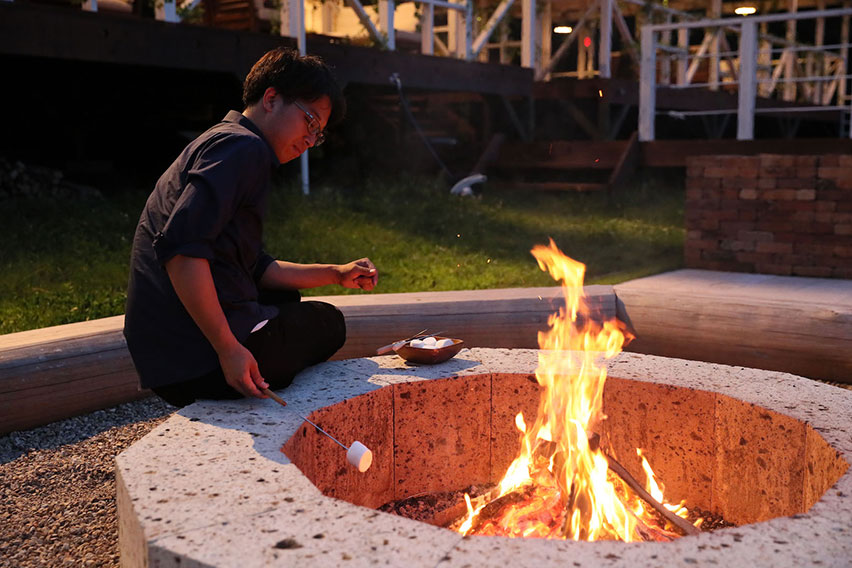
(209,204)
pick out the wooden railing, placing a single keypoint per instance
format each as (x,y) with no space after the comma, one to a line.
(804,78)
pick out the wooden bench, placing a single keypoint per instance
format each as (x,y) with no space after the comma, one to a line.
(793,324)
(781,323)
(53,373)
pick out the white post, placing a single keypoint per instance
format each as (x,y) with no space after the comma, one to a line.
(90,5)
(427,33)
(683,55)
(764,62)
(590,56)
(844,55)
(166,11)
(468,31)
(715,14)
(528,39)
(818,61)
(292,13)
(647,86)
(748,81)
(386,25)
(329,15)
(505,59)
(582,56)
(605,52)
(301,41)
(293,25)
(666,59)
(790,62)
(545,37)
(453,35)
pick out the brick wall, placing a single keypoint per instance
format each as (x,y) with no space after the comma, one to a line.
(772,214)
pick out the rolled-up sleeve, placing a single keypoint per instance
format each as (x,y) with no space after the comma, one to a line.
(213,187)
(263,262)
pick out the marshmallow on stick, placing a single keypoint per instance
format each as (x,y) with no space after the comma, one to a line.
(359,456)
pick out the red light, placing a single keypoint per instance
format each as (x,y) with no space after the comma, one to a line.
(587,41)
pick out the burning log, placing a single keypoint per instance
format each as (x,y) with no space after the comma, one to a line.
(493,504)
(494,508)
(685,526)
(452,515)
(569,508)
(650,533)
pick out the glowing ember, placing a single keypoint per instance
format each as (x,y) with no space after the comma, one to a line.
(560,485)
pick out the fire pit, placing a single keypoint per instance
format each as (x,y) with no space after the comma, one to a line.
(759,458)
(211,485)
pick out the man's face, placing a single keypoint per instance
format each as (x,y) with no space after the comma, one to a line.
(291,129)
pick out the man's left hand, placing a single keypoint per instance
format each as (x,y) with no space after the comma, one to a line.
(360,273)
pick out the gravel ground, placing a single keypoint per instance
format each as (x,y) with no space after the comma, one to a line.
(57,486)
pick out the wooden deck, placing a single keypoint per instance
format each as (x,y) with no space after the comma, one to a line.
(626,92)
(603,155)
(32,30)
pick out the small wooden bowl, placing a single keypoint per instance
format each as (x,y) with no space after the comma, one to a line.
(430,356)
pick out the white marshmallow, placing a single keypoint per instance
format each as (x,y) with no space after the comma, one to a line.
(416,343)
(430,340)
(443,343)
(359,456)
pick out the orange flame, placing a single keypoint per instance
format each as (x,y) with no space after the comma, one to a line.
(567,492)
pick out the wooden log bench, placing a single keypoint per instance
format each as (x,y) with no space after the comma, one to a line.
(793,324)
(57,372)
(780,323)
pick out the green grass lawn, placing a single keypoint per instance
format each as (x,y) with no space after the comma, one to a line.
(66,261)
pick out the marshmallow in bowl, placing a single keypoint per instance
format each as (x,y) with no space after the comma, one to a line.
(430,343)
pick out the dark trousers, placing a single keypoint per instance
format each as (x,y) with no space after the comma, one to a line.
(303,334)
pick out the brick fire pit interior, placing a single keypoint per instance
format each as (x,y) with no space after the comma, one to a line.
(211,485)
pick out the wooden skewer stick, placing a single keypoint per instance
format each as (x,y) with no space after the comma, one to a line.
(273,396)
(390,347)
(281,401)
(681,523)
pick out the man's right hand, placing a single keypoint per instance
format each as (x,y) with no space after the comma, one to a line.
(193,284)
(241,371)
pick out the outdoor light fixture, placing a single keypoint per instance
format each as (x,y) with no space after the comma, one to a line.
(745,10)
(563,30)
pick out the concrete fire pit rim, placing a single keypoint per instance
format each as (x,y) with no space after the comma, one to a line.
(239,420)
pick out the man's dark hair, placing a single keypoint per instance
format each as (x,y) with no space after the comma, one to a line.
(295,77)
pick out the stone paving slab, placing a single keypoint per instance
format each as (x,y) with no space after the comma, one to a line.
(210,486)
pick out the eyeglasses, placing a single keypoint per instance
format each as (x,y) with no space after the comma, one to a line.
(314,126)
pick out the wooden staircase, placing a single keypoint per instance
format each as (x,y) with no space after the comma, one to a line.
(232,15)
(450,127)
(565,165)
(434,113)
